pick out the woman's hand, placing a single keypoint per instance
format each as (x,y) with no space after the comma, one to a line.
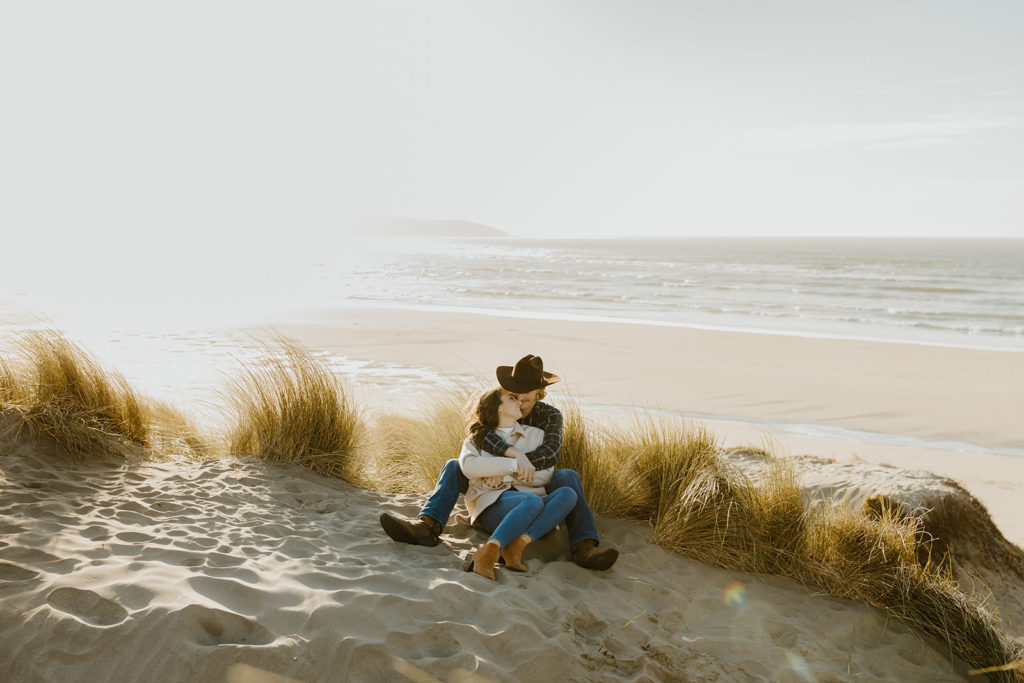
(494,482)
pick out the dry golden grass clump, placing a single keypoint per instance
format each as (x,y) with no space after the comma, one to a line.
(174,434)
(962,526)
(883,559)
(291,409)
(409,451)
(60,392)
(599,468)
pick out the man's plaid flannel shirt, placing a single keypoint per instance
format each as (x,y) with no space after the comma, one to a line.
(543,416)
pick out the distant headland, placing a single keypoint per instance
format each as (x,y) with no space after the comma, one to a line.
(420,227)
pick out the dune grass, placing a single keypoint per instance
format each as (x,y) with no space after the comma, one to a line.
(877,560)
(608,493)
(408,451)
(62,393)
(172,434)
(290,408)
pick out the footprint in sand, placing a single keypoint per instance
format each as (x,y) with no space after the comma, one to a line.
(132,596)
(12,572)
(95,533)
(51,564)
(204,542)
(782,634)
(133,518)
(322,581)
(218,559)
(87,606)
(206,626)
(167,507)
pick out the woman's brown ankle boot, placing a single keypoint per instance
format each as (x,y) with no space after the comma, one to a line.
(513,553)
(484,559)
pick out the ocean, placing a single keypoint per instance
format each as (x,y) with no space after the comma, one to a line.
(966,293)
(172,327)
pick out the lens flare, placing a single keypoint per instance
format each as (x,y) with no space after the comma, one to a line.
(799,666)
(735,594)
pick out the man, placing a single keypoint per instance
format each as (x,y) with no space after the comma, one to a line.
(528,380)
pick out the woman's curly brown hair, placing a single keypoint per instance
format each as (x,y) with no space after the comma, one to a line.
(483,417)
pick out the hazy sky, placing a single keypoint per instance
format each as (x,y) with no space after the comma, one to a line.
(145,124)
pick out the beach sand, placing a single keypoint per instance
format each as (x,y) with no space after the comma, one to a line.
(242,570)
(233,570)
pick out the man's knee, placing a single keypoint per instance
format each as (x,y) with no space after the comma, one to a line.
(568,478)
(566,495)
(451,479)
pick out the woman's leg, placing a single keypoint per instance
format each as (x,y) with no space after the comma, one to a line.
(557,505)
(506,519)
(510,515)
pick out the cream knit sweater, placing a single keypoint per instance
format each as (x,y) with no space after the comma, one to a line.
(477,465)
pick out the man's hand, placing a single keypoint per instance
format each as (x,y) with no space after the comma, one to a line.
(524,468)
(494,482)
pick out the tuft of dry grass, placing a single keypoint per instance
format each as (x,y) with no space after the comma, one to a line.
(961,526)
(409,451)
(662,458)
(877,559)
(291,409)
(172,434)
(64,394)
(599,466)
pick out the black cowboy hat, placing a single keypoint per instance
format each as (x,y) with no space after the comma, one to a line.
(527,375)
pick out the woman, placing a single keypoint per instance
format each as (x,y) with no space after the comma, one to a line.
(514,511)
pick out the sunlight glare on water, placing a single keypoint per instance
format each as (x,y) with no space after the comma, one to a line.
(172,325)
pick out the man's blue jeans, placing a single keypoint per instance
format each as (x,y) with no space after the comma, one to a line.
(449,485)
(580,520)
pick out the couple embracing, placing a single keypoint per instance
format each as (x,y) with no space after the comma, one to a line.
(507,472)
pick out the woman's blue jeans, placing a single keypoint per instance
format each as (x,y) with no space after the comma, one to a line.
(516,513)
(451,482)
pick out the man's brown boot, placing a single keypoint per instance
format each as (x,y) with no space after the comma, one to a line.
(587,555)
(422,531)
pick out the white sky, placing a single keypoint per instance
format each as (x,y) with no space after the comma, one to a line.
(146,125)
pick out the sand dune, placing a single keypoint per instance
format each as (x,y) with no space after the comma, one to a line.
(983,560)
(243,570)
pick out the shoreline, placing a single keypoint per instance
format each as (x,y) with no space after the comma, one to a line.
(923,393)
(364,304)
